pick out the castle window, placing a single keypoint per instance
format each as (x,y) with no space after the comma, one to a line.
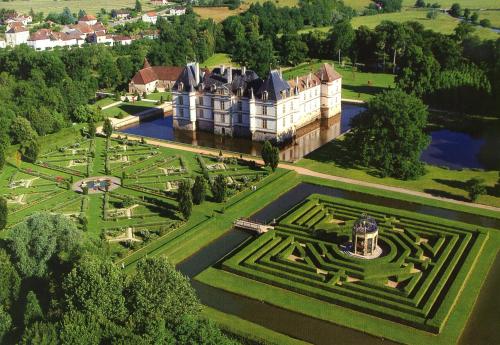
(240,106)
(284,121)
(212,103)
(240,118)
(181,100)
(222,118)
(201,100)
(181,112)
(264,110)
(264,123)
(284,108)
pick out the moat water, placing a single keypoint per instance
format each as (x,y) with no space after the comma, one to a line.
(311,329)
(448,148)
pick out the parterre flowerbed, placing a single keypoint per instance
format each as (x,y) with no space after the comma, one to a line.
(416,282)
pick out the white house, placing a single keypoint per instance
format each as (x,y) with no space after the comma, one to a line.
(150,17)
(16,34)
(123,40)
(236,102)
(177,11)
(41,40)
(24,20)
(3,44)
(159,2)
(87,19)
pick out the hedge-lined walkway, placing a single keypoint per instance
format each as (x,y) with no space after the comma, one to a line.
(307,172)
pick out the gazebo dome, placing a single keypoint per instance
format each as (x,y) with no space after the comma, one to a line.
(365,224)
(365,236)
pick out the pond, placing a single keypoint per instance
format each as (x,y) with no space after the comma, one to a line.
(304,327)
(448,148)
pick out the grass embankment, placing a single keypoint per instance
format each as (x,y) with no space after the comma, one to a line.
(218,59)
(472,4)
(355,84)
(218,14)
(91,7)
(128,108)
(248,330)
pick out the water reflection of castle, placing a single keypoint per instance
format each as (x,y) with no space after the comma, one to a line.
(238,103)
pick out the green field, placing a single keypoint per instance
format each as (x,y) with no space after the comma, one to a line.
(414,286)
(472,4)
(493,16)
(217,59)
(91,7)
(355,85)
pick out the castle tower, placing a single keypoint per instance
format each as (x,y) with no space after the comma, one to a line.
(331,87)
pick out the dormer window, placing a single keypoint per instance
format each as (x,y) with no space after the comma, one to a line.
(265,96)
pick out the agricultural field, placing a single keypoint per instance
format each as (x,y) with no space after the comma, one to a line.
(472,4)
(130,198)
(412,288)
(355,84)
(91,7)
(218,14)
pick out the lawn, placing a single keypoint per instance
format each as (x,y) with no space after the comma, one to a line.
(300,270)
(443,23)
(218,59)
(493,16)
(157,95)
(355,85)
(358,5)
(91,7)
(472,4)
(105,101)
(218,14)
(128,108)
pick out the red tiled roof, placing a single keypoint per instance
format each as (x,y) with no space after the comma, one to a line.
(121,38)
(151,14)
(301,82)
(83,28)
(148,75)
(327,73)
(16,27)
(87,17)
(40,35)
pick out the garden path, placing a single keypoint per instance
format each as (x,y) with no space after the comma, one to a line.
(307,172)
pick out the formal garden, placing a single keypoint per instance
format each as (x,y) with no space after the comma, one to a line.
(120,190)
(413,287)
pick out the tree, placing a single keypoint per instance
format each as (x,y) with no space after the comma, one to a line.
(463,30)
(474,18)
(30,150)
(466,14)
(40,333)
(432,14)
(219,188)
(199,189)
(157,293)
(107,128)
(41,237)
(32,311)
(274,158)
(5,323)
(2,157)
(4,212)
(390,136)
(420,3)
(293,50)
(79,329)
(455,10)
(138,6)
(475,187)
(95,287)
(21,130)
(266,152)
(341,38)
(184,198)
(196,330)
(485,23)
(9,281)
(92,129)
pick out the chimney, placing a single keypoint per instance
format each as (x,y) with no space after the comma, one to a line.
(229,75)
(197,72)
(243,70)
(222,69)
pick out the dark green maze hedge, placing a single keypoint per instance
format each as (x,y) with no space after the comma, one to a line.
(416,281)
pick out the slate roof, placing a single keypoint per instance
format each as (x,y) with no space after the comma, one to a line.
(274,85)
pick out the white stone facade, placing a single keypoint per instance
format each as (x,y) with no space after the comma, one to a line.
(257,115)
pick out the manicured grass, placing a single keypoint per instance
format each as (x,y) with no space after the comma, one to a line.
(156,96)
(474,269)
(218,14)
(248,330)
(333,159)
(358,5)
(128,108)
(355,84)
(91,7)
(443,23)
(105,101)
(218,59)
(472,4)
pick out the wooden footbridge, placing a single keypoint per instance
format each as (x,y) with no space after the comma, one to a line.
(251,225)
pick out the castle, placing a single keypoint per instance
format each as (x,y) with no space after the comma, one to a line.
(237,102)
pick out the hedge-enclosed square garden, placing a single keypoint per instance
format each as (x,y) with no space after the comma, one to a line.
(417,280)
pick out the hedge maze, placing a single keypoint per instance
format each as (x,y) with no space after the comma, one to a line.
(416,282)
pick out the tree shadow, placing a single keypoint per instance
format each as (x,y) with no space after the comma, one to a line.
(133,109)
(493,191)
(444,194)
(451,183)
(335,152)
(366,89)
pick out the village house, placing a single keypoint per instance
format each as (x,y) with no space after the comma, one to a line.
(177,11)
(121,14)
(159,2)
(150,17)
(150,78)
(87,19)
(123,40)
(24,20)
(16,34)
(237,102)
